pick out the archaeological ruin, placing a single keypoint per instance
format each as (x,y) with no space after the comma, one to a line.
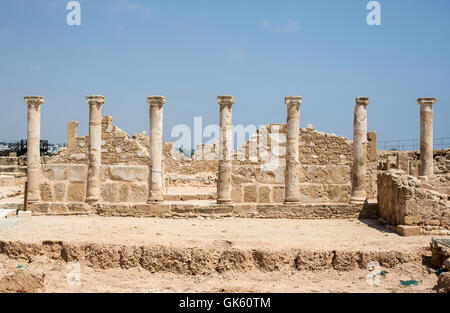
(282,171)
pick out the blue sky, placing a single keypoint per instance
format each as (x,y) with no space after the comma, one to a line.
(190,51)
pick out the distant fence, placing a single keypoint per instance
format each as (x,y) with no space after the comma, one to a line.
(411,144)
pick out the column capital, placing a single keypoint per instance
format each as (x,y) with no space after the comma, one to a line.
(156,100)
(95,99)
(225,100)
(291,100)
(426,100)
(362,100)
(35,100)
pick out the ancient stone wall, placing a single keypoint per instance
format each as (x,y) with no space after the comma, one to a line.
(258,166)
(418,205)
(408,161)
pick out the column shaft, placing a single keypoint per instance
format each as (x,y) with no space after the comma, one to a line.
(224,186)
(426,136)
(34,147)
(359,151)
(291,181)
(156,149)
(95,148)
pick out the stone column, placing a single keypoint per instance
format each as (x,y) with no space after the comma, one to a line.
(225,148)
(291,178)
(359,151)
(155,170)
(71,134)
(34,147)
(426,136)
(95,147)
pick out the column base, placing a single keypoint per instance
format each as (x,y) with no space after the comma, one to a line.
(356,200)
(223,201)
(153,200)
(92,201)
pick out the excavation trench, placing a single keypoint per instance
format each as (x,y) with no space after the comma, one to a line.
(217,258)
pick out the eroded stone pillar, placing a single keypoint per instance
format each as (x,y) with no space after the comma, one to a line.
(71,134)
(359,151)
(95,147)
(34,147)
(291,177)
(225,148)
(426,136)
(155,176)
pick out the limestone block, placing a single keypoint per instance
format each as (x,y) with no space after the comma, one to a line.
(124,193)
(55,171)
(236,194)
(264,194)
(413,220)
(59,190)
(46,192)
(250,193)
(278,194)
(77,156)
(58,208)
(408,230)
(109,192)
(138,193)
(128,172)
(76,192)
(78,173)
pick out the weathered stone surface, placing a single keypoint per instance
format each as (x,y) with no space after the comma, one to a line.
(250,193)
(128,173)
(76,192)
(408,230)
(78,173)
(264,194)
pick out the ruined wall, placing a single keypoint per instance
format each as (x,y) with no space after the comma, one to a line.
(120,183)
(258,166)
(408,161)
(407,200)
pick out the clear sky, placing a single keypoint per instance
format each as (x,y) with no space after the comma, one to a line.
(259,51)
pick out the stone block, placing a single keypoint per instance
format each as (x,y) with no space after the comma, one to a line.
(413,220)
(76,192)
(138,193)
(78,173)
(250,193)
(278,194)
(59,190)
(408,230)
(55,171)
(109,192)
(264,194)
(236,194)
(46,192)
(128,172)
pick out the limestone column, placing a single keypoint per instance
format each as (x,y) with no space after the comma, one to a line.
(426,136)
(71,134)
(225,148)
(155,176)
(291,178)
(95,147)
(34,147)
(359,151)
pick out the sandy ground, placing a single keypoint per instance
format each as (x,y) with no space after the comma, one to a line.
(247,234)
(58,279)
(363,235)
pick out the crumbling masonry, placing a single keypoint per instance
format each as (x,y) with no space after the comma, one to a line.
(282,171)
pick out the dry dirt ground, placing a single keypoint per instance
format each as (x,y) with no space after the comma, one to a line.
(124,254)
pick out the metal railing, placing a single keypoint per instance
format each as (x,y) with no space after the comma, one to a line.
(411,144)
